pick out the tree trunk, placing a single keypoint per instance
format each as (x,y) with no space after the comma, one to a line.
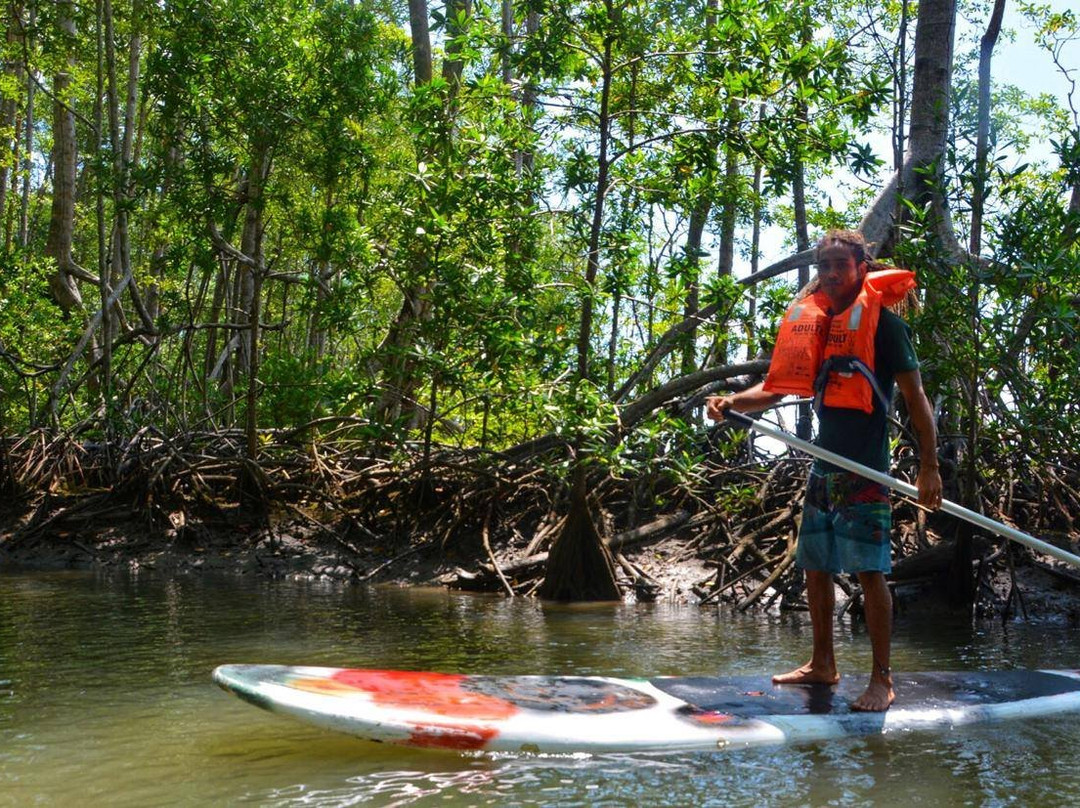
(900,94)
(105,68)
(399,370)
(932,84)
(253,248)
(123,132)
(506,28)
(170,164)
(752,347)
(250,264)
(616,275)
(978,196)
(919,178)
(725,264)
(28,147)
(323,273)
(613,337)
(421,41)
(457,15)
(729,210)
(579,567)
(219,303)
(961,577)
(931,89)
(58,244)
(592,260)
(699,217)
(13,74)
(530,95)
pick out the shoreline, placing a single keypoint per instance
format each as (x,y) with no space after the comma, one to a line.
(294,549)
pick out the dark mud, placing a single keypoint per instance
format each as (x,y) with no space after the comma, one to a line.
(1036,589)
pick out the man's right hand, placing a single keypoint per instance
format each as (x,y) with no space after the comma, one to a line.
(749,400)
(716,406)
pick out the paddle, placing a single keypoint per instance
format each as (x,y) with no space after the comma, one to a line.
(904,488)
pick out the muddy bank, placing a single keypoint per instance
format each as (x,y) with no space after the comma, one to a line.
(720,533)
(291,548)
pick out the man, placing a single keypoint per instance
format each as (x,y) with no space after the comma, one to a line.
(846,348)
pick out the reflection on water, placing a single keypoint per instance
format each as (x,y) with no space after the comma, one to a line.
(106,699)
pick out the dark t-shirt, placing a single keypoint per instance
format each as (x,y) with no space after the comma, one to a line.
(861,436)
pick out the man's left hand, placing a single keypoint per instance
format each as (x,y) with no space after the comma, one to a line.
(929,485)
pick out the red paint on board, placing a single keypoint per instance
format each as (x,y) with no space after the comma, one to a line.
(462,738)
(439,693)
(711,718)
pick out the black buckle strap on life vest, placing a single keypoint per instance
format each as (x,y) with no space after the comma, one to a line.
(846,364)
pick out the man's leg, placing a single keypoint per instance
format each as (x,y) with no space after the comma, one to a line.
(877,605)
(821,668)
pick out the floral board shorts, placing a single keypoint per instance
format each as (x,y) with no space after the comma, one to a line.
(846,525)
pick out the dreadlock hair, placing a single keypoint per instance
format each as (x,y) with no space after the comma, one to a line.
(852,239)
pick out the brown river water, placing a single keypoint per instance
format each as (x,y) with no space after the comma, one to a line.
(106,699)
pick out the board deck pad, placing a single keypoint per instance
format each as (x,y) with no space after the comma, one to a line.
(595,714)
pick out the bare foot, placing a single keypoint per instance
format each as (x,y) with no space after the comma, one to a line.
(808,675)
(876,698)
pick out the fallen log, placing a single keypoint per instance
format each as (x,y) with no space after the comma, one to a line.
(933,561)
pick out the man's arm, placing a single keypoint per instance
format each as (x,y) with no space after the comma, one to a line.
(922,419)
(752,399)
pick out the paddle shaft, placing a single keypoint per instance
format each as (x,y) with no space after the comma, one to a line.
(948,506)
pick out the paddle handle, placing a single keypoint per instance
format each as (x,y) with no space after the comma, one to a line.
(909,490)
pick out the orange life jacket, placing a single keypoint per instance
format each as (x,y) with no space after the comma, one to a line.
(812,343)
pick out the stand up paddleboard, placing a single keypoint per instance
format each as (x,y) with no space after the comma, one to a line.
(598,714)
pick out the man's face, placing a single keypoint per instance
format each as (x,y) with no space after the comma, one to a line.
(840,275)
